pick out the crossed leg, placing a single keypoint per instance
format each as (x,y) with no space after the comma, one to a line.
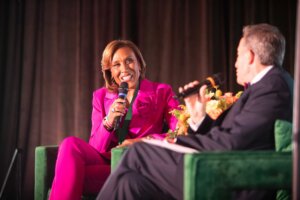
(146,172)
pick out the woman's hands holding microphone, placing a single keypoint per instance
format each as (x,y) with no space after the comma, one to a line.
(116,110)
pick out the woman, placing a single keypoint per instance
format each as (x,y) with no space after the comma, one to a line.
(82,168)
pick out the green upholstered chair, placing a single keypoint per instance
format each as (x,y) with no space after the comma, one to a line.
(45,158)
(214,175)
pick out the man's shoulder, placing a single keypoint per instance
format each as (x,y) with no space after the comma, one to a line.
(278,77)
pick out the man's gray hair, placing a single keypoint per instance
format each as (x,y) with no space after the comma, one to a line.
(266,42)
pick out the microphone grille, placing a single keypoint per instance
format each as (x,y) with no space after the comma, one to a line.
(123,88)
(124,85)
(218,79)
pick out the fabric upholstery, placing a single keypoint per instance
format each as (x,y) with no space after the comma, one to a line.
(117,154)
(283,135)
(214,175)
(283,142)
(45,157)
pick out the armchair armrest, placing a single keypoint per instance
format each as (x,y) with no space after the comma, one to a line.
(213,175)
(116,155)
(45,158)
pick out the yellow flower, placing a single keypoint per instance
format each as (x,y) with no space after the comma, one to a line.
(182,116)
(219,103)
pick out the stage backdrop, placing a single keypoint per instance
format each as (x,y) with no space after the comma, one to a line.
(50,53)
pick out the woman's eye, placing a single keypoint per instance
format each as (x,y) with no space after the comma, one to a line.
(128,61)
(116,65)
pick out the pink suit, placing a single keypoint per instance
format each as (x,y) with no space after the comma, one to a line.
(82,168)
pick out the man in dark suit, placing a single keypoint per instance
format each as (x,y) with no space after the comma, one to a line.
(151,172)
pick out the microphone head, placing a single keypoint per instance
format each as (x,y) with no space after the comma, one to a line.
(124,85)
(215,80)
(211,82)
(123,90)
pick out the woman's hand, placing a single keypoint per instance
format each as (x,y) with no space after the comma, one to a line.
(117,109)
(195,103)
(129,142)
(170,140)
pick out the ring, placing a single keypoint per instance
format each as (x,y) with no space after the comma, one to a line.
(113,110)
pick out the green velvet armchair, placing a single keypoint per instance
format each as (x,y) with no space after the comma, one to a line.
(45,158)
(210,175)
(214,175)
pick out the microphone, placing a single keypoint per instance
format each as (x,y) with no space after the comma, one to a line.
(212,81)
(123,90)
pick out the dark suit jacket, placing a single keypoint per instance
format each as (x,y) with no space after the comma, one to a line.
(249,123)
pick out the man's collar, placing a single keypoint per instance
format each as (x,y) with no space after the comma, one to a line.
(261,74)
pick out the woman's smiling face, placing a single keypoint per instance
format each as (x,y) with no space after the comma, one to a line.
(125,67)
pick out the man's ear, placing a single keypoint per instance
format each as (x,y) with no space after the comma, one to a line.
(251,56)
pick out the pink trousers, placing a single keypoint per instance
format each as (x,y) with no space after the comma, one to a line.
(79,170)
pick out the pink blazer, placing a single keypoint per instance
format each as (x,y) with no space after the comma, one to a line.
(150,109)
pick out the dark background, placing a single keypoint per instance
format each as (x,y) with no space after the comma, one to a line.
(50,52)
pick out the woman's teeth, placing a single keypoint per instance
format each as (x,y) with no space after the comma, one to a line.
(126,78)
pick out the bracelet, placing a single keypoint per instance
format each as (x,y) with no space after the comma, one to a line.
(108,123)
(108,126)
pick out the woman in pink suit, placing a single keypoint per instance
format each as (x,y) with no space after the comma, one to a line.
(82,168)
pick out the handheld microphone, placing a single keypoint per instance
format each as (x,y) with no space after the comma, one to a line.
(212,81)
(123,90)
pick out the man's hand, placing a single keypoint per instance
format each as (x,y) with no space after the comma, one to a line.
(195,103)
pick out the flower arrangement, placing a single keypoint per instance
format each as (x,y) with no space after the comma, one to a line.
(182,125)
(215,105)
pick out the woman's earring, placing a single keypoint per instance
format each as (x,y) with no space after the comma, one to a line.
(113,80)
